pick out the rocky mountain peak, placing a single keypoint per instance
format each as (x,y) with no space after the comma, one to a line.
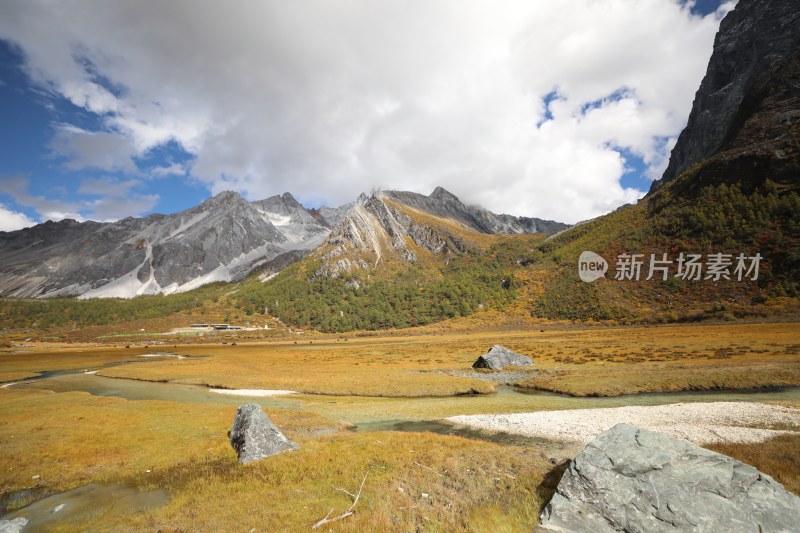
(225,198)
(222,239)
(290,200)
(442,194)
(377,227)
(443,203)
(757,42)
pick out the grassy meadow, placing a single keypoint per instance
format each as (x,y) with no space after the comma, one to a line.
(581,362)
(53,442)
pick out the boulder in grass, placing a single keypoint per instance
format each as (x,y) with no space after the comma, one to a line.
(633,479)
(499,357)
(255,437)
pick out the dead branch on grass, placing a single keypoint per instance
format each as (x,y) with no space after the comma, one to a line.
(349,512)
(342,490)
(429,468)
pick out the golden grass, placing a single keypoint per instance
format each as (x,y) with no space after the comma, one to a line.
(6,377)
(778,457)
(584,362)
(373,367)
(609,362)
(414,482)
(22,363)
(70,439)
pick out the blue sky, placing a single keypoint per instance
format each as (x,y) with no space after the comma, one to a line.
(559,111)
(43,179)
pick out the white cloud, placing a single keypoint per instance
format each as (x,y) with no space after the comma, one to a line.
(174,169)
(103,200)
(328,99)
(13,220)
(86,149)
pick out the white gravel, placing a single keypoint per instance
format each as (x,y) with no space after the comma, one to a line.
(254,392)
(701,423)
(13,526)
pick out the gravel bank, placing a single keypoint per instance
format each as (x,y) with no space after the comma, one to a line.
(701,423)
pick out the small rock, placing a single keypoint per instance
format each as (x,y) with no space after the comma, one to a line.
(425,495)
(499,357)
(255,437)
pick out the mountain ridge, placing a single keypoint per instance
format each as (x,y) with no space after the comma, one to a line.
(223,238)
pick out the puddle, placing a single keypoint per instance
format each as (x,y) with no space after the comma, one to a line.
(162,354)
(83,503)
(132,389)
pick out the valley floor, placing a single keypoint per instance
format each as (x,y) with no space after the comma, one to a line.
(152,423)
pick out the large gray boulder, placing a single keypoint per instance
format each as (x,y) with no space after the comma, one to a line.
(255,437)
(633,479)
(499,357)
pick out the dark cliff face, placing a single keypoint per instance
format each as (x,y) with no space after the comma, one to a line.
(744,121)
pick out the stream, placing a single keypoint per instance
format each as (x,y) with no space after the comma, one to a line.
(424,414)
(370,413)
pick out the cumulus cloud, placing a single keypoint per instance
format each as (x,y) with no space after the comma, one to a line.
(175,169)
(13,220)
(97,199)
(86,149)
(329,99)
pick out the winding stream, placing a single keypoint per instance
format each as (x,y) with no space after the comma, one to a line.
(378,413)
(367,413)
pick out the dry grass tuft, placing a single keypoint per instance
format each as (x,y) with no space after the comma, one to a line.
(778,457)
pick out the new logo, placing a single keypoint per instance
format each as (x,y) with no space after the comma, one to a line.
(591,267)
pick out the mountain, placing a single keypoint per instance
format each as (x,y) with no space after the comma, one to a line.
(399,259)
(445,204)
(332,215)
(293,221)
(731,187)
(407,224)
(745,121)
(395,259)
(222,239)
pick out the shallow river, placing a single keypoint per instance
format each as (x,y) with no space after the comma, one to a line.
(368,413)
(374,413)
